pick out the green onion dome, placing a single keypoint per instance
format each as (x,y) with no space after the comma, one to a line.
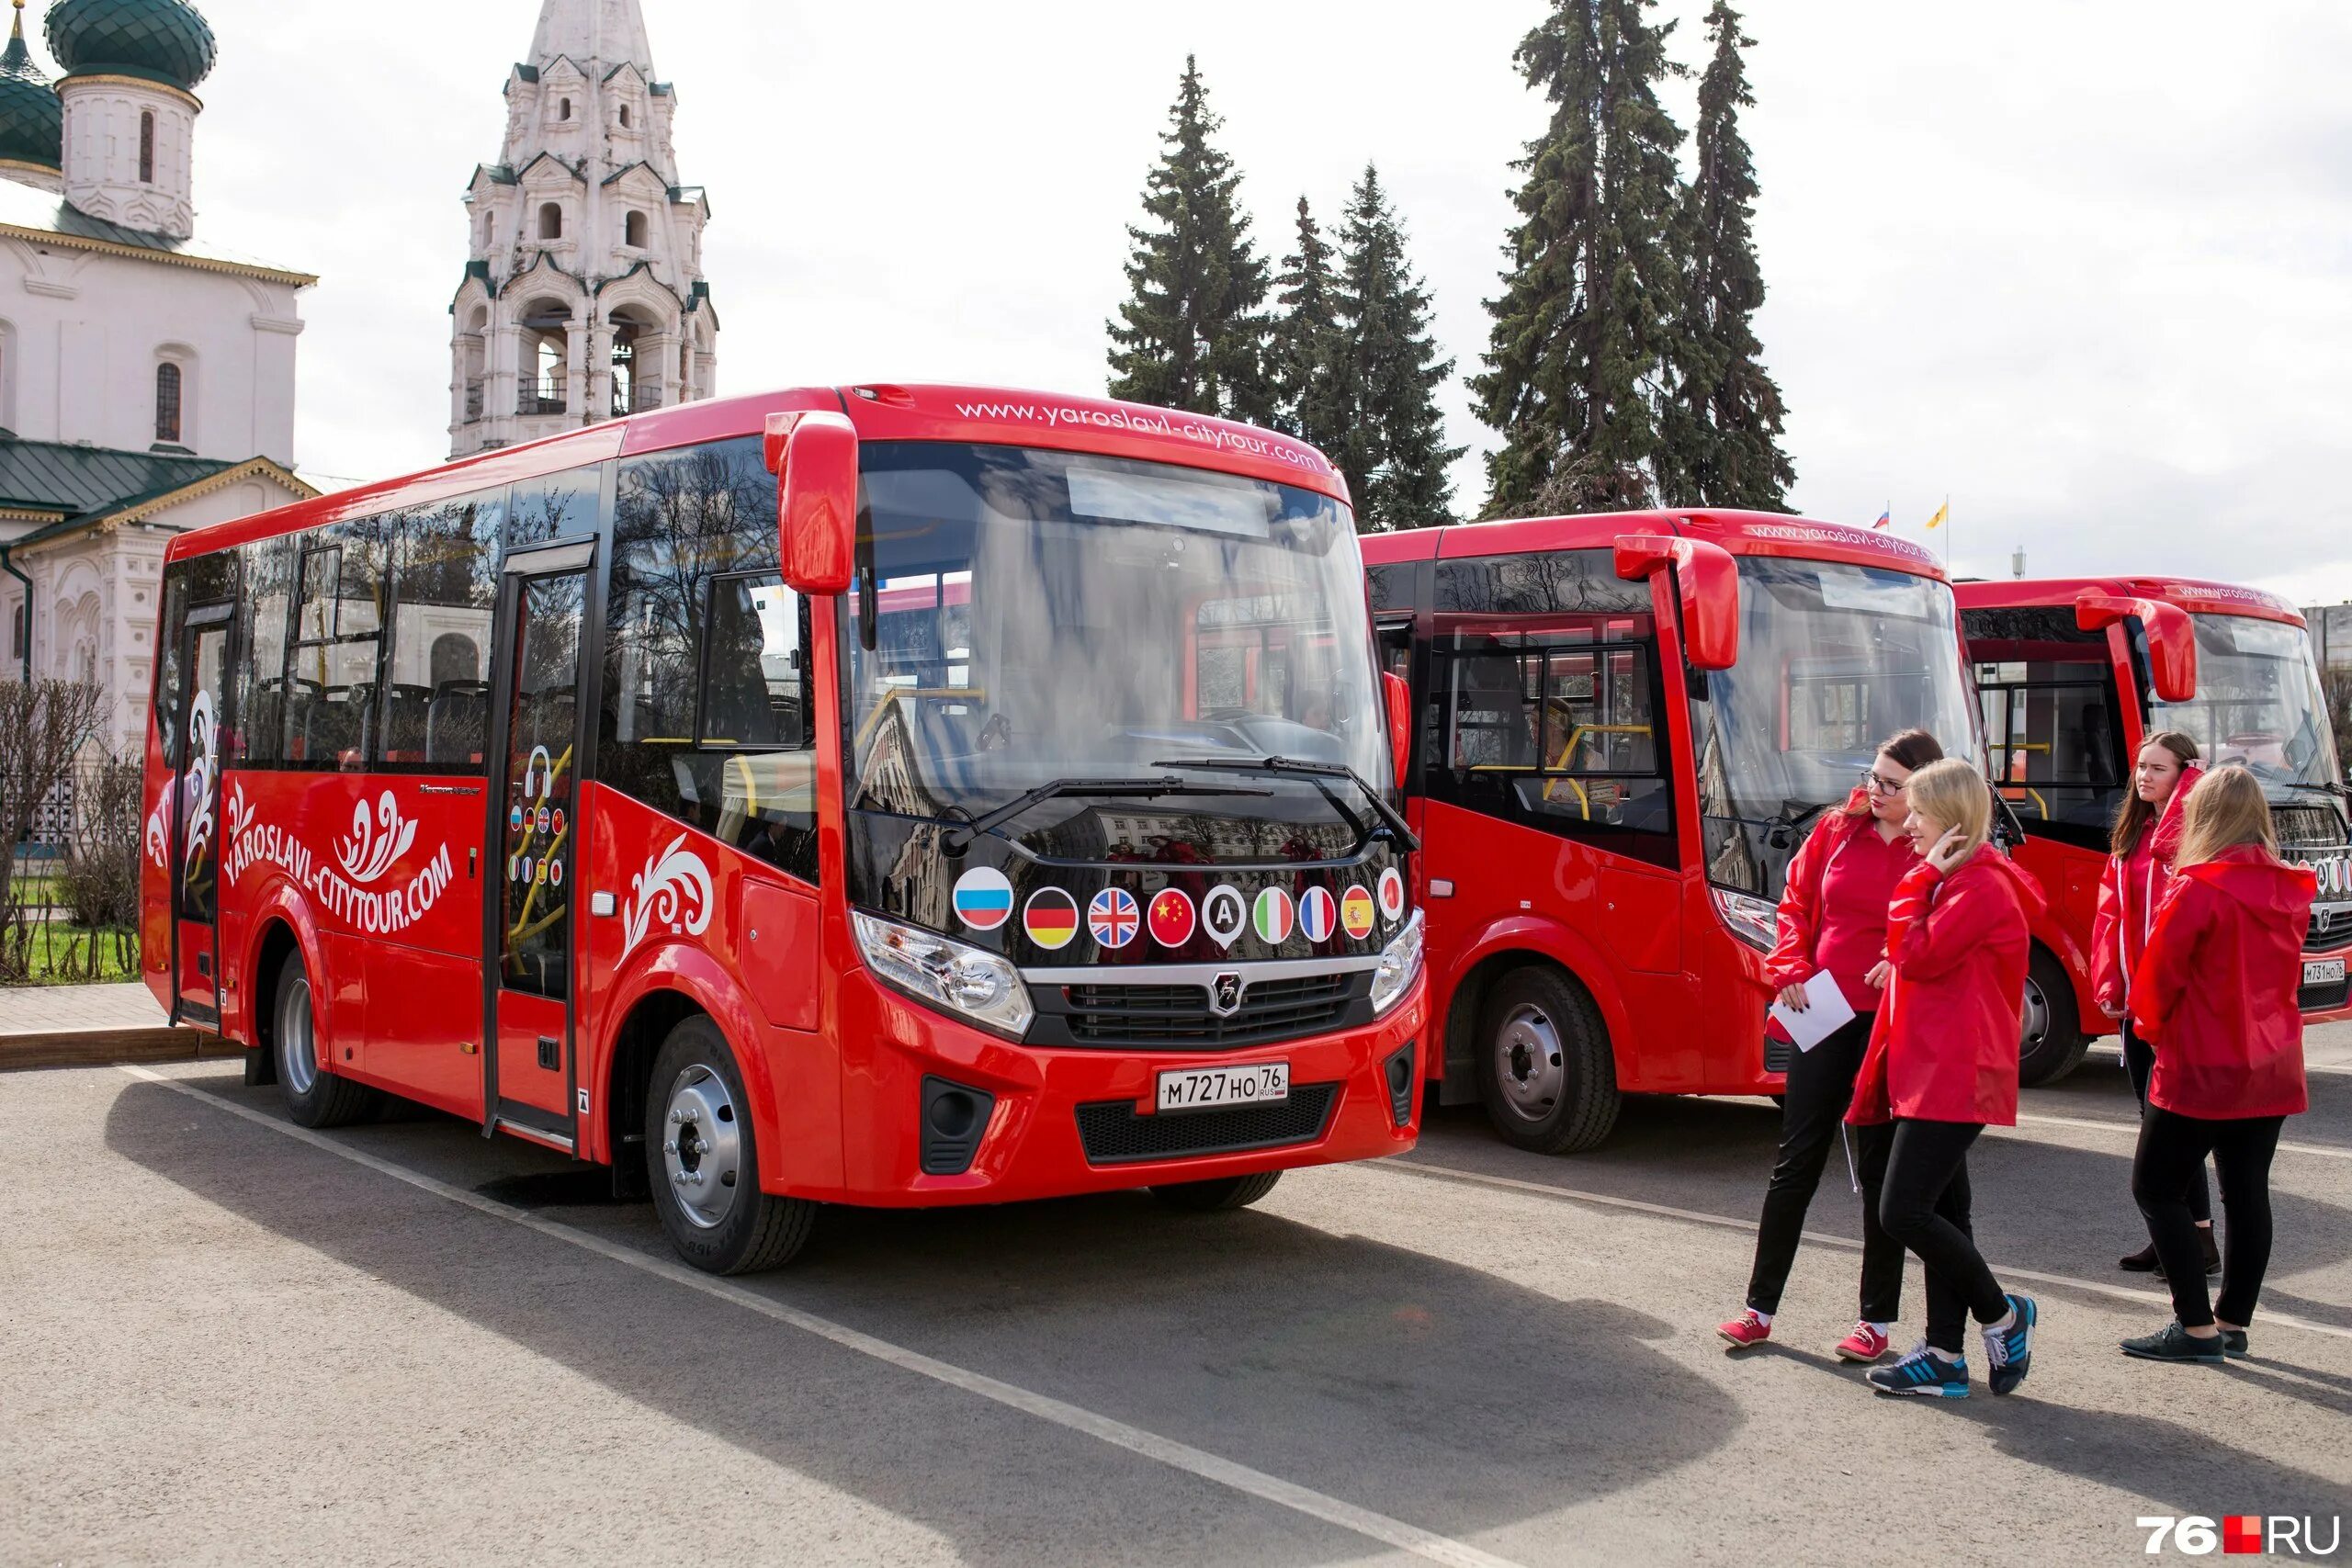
(32,123)
(159,40)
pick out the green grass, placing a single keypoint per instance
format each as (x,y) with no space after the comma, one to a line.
(59,955)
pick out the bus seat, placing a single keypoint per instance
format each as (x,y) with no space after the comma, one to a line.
(457,722)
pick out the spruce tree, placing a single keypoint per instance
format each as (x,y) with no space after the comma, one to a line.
(1192,334)
(1724,410)
(1393,449)
(1308,402)
(1591,294)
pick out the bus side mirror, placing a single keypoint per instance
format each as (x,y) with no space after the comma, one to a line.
(1707,580)
(1400,722)
(2172,638)
(814,459)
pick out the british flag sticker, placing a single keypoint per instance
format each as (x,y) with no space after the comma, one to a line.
(1112,917)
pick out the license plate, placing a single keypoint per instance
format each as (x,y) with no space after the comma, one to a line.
(1215,1089)
(2323,972)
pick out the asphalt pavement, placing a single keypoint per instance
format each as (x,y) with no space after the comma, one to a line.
(229,1340)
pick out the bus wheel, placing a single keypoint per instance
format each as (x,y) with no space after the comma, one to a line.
(2050,1041)
(1545,1071)
(1215,1197)
(704,1165)
(315,1097)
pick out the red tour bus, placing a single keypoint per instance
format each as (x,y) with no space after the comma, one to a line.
(2073,673)
(1627,724)
(1005,816)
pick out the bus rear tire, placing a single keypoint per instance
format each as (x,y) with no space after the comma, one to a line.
(702,1159)
(1216,1196)
(1545,1074)
(2051,1041)
(316,1096)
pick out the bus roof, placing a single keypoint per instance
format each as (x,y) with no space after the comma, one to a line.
(1740,533)
(2190,594)
(881,412)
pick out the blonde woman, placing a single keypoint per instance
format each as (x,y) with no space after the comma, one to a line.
(2215,993)
(1943,1065)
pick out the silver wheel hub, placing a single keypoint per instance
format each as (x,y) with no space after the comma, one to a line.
(1528,1065)
(298,1046)
(702,1147)
(2034,1018)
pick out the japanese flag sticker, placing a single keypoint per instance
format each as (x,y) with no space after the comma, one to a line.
(1392,896)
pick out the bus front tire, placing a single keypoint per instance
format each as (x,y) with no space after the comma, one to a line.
(315,1095)
(1545,1071)
(2051,1041)
(1217,1196)
(702,1159)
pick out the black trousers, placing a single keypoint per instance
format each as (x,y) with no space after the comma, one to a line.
(2139,1061)
(2169,1166)
(1820,1088)
(1924,1205)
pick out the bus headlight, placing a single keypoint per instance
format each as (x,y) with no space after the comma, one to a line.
(944,973)
(1400,965)
(1748,917)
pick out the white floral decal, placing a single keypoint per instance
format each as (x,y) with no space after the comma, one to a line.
(372,846)
(159,833)
(203,772)
(674,889)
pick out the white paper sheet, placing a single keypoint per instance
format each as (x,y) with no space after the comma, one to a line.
(1827,1012)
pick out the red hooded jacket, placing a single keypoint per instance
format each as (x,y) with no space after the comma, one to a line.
(2215,991)
(1946,1046)
(1833,912)
(2130,895)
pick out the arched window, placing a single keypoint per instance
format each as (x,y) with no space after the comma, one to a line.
(551,221)
(168,402)
(634,230)
(147,148)
(624,117)
(563,108)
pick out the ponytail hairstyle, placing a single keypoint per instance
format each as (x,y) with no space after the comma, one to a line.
(2227,810)
(1953,792)
(1911,750)
(2133,817)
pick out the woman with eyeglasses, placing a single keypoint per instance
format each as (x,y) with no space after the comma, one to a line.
(1833,917)
(2145,840)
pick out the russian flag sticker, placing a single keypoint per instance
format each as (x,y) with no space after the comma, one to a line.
(1318,914)
(1273,916)
(1355,912)
(983,898)
(1112,917)
(1050,918)
(1392,896)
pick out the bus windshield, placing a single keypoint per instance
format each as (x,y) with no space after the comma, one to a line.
(1023,616)
(1832,660)
(2258,702)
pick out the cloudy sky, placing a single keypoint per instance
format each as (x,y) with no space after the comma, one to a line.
(2081,268)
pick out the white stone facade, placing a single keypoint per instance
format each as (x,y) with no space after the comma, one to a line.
(130,153)
(584,297)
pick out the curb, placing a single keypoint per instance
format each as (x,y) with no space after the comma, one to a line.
(101,1047)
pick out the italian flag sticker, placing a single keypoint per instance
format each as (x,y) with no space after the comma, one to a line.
(1274,917)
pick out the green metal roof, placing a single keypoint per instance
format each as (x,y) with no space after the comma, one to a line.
(26,209)
(32,121)
(82,482)
(162,40)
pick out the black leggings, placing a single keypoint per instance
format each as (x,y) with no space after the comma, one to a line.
(2139,1061)
(1820,1086)
(2169,1166)
(1924,1205)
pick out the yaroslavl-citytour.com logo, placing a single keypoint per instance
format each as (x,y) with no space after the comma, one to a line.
(2249,1535)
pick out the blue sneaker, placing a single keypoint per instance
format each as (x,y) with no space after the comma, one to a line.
(2010,1349)
(1927,1371)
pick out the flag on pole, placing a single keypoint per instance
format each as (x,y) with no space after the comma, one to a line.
(1886,517)
(1942,513)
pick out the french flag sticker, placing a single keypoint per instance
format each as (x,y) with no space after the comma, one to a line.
(1318,914)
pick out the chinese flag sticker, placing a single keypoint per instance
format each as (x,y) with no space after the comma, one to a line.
(2242,1533)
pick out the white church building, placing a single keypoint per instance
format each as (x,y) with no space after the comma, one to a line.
(146,373)
(584,297)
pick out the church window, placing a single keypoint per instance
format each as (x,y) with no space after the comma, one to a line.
(563,108)
(147,148)
(168,402)
(636,231)
(551,221)
(624,117)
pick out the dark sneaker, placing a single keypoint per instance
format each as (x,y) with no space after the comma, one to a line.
(1926,1371)
(2175,1344)
(2233,1342)
(2010,1349)
(2141,1263)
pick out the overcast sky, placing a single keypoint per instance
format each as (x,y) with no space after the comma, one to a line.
(2082,267)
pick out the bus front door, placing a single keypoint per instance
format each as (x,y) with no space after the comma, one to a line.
(537,734)
(196,818)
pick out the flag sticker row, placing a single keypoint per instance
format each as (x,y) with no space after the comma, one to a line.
(983,901)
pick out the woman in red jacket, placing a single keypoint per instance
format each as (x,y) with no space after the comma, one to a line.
(1833,917)
(2215,993)
(1943,1065)
(2144,842)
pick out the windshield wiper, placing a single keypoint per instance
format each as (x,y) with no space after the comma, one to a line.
(2334,791)
(1389,816)
(1793,814)
(959,835)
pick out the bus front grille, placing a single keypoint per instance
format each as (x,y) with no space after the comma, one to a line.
(1114,1014)
(1113,1133)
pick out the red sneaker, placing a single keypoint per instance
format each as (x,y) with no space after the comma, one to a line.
(1865,1345)
(1749,1328)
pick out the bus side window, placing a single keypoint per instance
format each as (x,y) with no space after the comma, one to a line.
(338,632)
(445,594)
(260,680)
(1557,724)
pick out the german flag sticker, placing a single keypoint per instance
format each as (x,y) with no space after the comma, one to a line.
(1050,918)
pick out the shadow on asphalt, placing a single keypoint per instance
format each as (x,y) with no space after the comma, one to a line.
(1434,1392)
